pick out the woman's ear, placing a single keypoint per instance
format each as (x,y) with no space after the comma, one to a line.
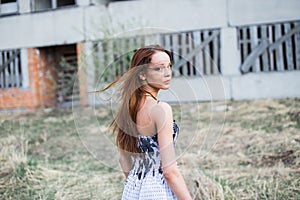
(142,76)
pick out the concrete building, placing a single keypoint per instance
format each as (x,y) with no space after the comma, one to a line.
(226,49)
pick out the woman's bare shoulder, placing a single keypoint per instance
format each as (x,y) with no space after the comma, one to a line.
(164,105)
(161,109)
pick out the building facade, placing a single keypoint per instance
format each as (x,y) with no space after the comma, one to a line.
(254,47)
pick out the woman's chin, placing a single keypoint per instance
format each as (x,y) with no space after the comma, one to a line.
(161,86)
(165,87)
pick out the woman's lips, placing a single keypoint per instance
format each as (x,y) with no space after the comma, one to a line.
(167,82)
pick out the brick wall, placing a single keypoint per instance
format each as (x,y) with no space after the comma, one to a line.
(82,78)
(41,91)
(42,81)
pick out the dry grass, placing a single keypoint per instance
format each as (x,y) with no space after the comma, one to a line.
(241,150)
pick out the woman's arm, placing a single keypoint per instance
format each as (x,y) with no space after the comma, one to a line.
(162,115)
(125,162)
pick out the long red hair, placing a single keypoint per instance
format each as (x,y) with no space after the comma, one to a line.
(132,92)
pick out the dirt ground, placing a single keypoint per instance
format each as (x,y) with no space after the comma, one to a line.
(226,150)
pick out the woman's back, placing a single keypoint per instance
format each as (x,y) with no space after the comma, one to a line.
(146,179)
(145,123)
(146,131)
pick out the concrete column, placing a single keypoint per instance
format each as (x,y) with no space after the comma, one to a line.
(83,2)
(104,2)
(24,6)
(24,65)
(91,76)
(230,54)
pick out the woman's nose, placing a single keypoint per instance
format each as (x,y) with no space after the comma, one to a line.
(167,72)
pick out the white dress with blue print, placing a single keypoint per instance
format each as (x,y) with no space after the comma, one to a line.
(146,180)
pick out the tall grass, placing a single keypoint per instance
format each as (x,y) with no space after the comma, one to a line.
(256,157)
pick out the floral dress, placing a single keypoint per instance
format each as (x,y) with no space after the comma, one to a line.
(146,180)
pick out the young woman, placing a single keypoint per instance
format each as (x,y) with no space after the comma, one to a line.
(146,132)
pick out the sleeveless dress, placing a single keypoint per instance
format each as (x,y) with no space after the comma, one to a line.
(145,180)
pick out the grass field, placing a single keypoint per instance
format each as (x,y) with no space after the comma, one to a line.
(232,150)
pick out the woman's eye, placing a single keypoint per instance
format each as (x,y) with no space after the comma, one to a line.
(157,68)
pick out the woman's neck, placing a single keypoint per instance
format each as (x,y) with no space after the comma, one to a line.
(150,95)
(152,92)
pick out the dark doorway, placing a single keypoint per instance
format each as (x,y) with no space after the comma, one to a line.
(64,69)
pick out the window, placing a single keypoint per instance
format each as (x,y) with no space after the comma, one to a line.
(40,5)
(117,0)
(65,3)
(8,1)
(8,7)
(13,68)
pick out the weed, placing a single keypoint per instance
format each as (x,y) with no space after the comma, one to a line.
(257,157)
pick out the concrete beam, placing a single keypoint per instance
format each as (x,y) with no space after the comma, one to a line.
(266,85)
(63,26)
(245,12)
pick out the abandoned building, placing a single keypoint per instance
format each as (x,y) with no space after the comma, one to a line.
(223,49)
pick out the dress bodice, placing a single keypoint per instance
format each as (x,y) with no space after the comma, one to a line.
(149,160)
(149,144)
(146,179)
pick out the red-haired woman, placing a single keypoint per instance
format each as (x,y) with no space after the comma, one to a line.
(146,132)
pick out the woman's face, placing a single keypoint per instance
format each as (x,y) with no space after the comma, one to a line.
(159,72)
